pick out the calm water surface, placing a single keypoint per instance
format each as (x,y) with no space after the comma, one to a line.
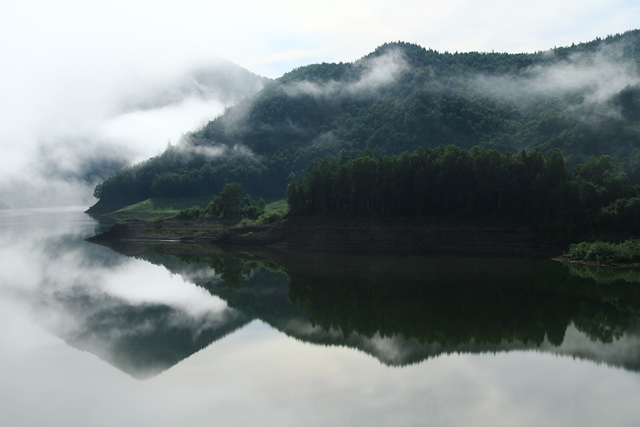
(170,334)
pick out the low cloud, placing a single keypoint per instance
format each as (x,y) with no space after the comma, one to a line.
(80,134)
(380,71)
(377,72)
(186,150)
(224,82)
(81,160)
(594,77)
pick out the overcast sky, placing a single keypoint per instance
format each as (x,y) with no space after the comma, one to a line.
(66,65)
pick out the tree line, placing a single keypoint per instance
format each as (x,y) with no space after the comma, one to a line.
(528,188)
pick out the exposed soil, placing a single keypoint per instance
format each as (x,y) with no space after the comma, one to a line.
(354,234)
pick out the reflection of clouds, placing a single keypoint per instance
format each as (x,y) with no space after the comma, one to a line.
(141,283)
(56,260)
(319,386)
(271,380)
(261,377)
(395,349)
(43,251)
(623,352)
(140,339)
(399,351)
(124,310)
(390,350)
(201,275)
(268,300)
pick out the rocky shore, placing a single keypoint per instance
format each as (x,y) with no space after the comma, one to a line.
(353,234)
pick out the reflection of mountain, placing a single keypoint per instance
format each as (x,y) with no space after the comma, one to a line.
(141,340)
(405,309)
(89,296)
(67,285)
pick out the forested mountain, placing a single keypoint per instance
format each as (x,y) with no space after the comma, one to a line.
(583,100)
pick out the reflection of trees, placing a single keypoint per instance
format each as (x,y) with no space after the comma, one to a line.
(452,301)
(233,268)
(603,325)
(606,275)
(234,271)
(451,315)
(455,301)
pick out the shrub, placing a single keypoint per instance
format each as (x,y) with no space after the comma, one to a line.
(606,252)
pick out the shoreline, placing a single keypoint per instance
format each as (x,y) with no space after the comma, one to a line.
(566,260)
(401,235)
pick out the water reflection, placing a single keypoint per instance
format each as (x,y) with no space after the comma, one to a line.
(130,315)
(477,339)
(139,339)
(401,310)
(404,310)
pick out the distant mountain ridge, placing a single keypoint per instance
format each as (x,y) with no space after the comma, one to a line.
(583,99)
(223,81)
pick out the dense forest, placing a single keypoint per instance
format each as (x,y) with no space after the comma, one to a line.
(529,188)
(578,101)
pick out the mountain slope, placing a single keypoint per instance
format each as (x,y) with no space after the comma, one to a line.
(583,99)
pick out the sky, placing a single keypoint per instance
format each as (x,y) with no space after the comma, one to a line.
(67,67)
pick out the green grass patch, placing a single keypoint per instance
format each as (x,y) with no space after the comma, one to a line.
(274,211)
(160,207)
(279,206)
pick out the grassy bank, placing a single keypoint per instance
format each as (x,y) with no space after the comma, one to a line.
(165,208)
(159,207)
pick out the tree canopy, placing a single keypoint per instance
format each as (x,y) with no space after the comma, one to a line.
(529,188)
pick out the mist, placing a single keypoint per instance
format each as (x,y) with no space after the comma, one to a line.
(376,73)
(594,77)
(99,301)
(71,145)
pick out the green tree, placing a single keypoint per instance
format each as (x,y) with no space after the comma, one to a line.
(230,203)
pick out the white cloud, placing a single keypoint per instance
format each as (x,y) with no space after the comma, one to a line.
(147,129)
(377,72)
(597,76)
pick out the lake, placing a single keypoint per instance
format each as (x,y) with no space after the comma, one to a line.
(166,334)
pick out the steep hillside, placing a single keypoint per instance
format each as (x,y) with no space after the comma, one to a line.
(583,100)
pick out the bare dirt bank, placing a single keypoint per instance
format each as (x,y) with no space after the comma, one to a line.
(353,234)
